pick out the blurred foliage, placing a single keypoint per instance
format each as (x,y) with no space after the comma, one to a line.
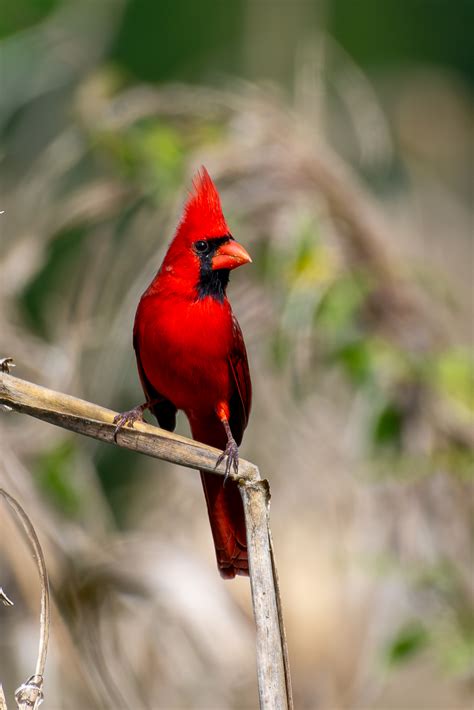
(419,31)
(453,374)
(450,635)
(19,15)
(409,640)
(53,473)
(43,291)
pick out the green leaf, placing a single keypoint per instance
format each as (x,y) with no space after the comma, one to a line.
(356,360)
(454,376)
(409,640)
(341,303)
(387,428)
(456,650)
(54,475)
(160,149)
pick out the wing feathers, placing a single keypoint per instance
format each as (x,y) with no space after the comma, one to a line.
(164,410)
(241,399)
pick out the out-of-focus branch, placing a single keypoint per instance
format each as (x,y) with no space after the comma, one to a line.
(97,422)
(30,694)
(6,601)
(3,702)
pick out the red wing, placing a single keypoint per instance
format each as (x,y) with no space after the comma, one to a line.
(241,400)
(164,410)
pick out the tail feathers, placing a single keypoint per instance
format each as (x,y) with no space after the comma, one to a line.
(226,515)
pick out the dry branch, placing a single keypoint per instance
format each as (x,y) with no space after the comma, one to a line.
(272,663)
(6,601)
(97,422)
(29,695)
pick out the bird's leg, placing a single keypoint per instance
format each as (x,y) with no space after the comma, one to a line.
(231,450)
(131,416)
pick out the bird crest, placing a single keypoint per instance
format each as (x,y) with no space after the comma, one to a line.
(202,214)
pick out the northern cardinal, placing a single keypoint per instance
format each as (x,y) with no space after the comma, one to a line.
(191,356)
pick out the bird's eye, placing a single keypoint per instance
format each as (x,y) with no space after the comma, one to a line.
(201,246)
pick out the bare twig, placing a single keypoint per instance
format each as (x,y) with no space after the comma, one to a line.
(94,421)
(30,694)
(6,601)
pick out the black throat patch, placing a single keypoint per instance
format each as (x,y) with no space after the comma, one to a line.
(212,282)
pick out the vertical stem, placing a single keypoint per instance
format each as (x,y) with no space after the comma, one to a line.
(274,691)
(30,694)
(3,702)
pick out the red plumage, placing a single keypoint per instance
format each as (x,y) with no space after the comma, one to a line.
(202,210)
(191,355)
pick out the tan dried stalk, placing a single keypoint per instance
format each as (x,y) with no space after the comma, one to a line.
(29,695)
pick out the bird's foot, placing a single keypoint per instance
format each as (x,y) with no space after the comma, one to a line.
(128,418)
(231,451)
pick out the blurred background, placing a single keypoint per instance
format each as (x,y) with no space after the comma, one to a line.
(340,137)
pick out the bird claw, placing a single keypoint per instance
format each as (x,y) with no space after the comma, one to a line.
(231,451)
(128,419)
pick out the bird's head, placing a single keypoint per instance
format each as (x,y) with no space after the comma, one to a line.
(203,251)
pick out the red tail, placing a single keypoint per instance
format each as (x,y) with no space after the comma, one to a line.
(224,505)
(226,515)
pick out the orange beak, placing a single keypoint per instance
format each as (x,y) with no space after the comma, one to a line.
(230,255)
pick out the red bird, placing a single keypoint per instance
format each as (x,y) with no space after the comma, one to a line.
(191,356)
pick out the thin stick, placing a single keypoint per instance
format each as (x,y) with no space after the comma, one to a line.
(30,694)
(94,421)
(6,601)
